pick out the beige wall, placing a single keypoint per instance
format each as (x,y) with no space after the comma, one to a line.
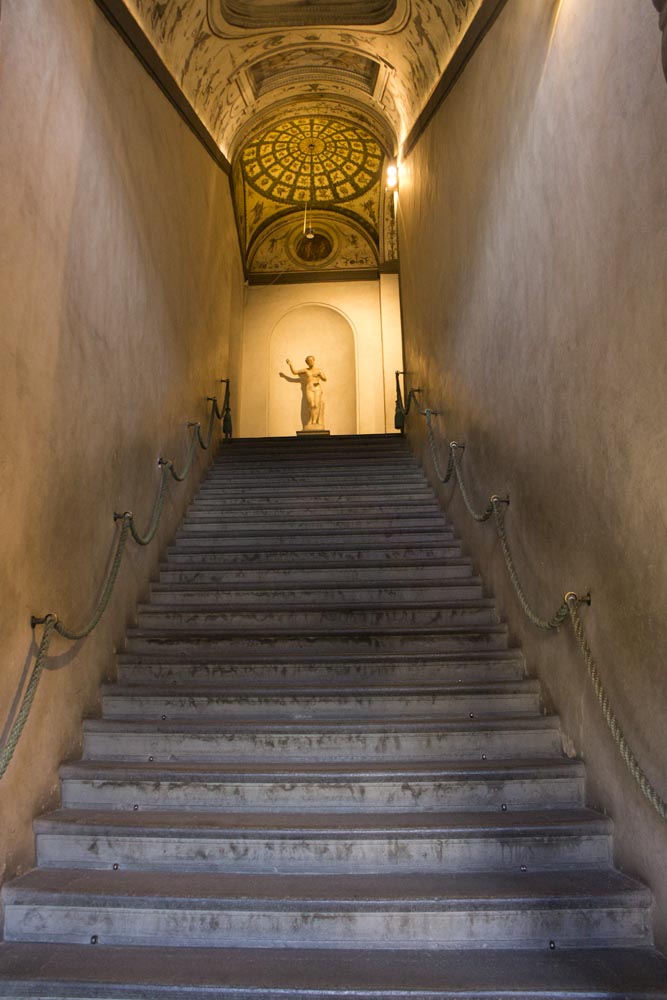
(352,328)
(533,248)
(120,293)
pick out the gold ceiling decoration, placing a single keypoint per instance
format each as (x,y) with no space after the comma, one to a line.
(316,160)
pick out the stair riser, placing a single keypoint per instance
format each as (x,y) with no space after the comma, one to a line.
(353,558)
(324,856)
(326,620)
(299,576)
(315,523)
(320,747)
(364,540)
(135,672)
(284,594)
(341,508)
(232,646)
(407,928)
(400,795)
(371,707)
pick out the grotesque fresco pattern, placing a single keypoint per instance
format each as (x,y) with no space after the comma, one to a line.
(264,75)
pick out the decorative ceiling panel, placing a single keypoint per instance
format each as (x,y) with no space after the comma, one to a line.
(214,61)
(315,160)
(304,65)
(252,14)
(308,99)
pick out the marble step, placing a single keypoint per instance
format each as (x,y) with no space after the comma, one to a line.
(346,594)
(313,617)
(453,573)
(390,786)
(407,505)
(272,523)
(366,540)
(416,910)
(304,555)
(324,842)
(369,670)
(82,972)
(335,739)
(490,700)
(229,644)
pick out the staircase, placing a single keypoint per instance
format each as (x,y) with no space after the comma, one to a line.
(323,773)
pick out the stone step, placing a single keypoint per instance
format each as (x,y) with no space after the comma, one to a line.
(405,505)
(307,481)
(82,972)
(324,843)
(229,644)
(391,786)
(367,670)
(366,539)
(344,594)
(307,525)
(333,739)
(314,617)
(452,573)
(192,909)
(462,701)
(300,498)
(300,556)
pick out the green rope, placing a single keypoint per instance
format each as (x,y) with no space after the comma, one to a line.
(128,527)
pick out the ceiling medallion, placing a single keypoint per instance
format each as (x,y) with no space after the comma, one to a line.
(314,251)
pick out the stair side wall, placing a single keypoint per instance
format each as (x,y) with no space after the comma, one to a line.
(533,236)
(121,297)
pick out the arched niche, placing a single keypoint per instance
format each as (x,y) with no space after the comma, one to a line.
(328,335)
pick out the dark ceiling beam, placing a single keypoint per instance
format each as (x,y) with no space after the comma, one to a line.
(478,27)
(118,15)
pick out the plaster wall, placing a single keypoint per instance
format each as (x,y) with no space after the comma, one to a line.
(353,330)
(533,225)
(120,295)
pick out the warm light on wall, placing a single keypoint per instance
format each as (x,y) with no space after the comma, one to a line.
(392,177)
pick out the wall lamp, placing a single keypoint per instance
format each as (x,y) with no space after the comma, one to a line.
(391,181)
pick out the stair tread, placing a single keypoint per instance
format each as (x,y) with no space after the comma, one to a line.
(491,889)
(339,726)
(313,974)
(387,769)
(184,823)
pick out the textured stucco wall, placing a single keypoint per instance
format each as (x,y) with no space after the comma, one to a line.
(120,294)
(372,311)
(533,248)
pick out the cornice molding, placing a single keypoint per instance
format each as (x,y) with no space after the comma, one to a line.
(661,7)
(132,34)
(480,24)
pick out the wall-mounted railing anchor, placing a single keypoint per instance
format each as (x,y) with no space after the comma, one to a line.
(572,598)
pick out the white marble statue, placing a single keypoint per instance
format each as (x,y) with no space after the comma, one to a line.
(311,378)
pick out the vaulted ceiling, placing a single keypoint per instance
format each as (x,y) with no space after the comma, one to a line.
(309,100)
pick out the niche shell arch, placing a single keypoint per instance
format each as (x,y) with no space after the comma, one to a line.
(324,332)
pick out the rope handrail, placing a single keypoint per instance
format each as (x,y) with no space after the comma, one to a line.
(569,606)
(52,623)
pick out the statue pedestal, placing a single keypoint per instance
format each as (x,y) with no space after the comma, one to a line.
(313,433)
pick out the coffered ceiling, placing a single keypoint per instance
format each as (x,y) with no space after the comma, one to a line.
(308,99)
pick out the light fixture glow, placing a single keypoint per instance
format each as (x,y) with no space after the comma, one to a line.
(392,177)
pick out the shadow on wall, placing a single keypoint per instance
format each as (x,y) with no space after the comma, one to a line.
(325,333)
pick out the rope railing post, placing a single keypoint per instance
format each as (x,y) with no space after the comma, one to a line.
(568,608)
(51,621)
